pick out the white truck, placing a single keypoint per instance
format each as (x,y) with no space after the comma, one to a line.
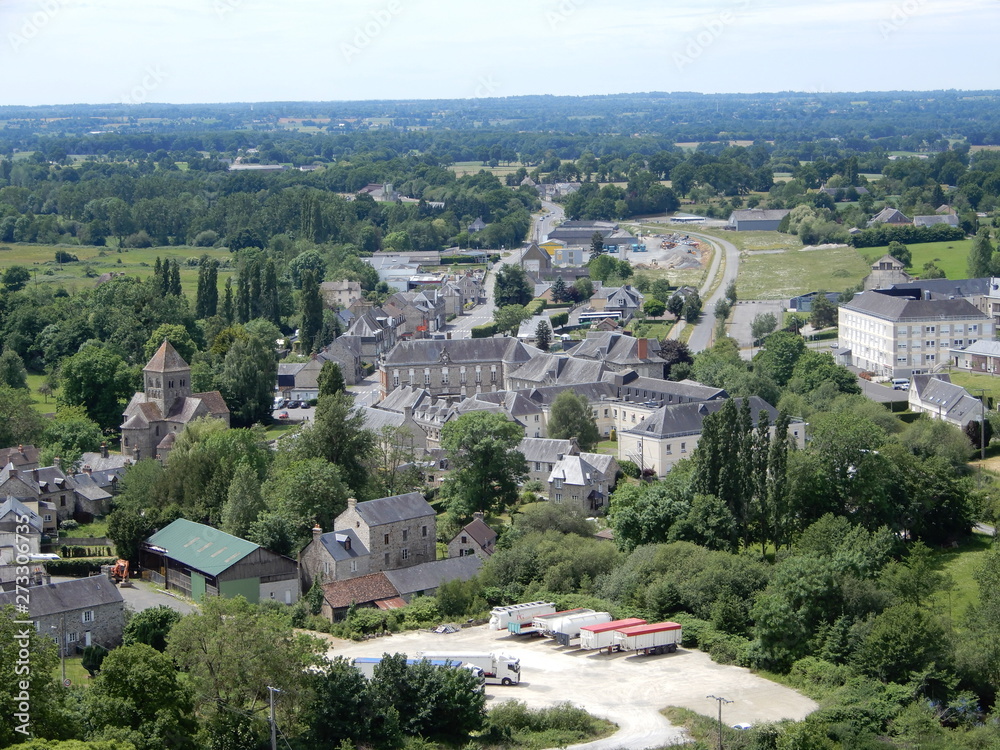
(498,668)
(569,627)
(366,665)
(501,617)
(651,638)
(596,637)
(536,626)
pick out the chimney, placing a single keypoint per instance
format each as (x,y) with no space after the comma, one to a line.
(317,532)
(104,450)
(559,457)
(20,449)
(407,413)
(643,348)
(477,514)
(352,503)
(57,462)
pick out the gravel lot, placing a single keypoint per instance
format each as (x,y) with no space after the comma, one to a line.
(628,690)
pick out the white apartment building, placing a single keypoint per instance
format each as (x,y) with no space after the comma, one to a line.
(900,336)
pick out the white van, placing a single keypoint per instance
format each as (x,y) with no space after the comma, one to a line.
(900,384)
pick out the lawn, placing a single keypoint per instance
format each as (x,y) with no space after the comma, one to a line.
(40,260)
(972,382)
(757,240)
(43,404)
(275,431)
(957,566)
(75,672)
(790,273)
(951,257)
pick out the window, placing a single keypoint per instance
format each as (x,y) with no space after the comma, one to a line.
(465,539)
(62,500)
(423,531)
(605,413)
(538,465)
(929,329)
(72,637)
(406,533)
(427,377)
(558,497)
(558,483)
(48,517)
(326,566)
(88,615)
(537,418)
(684,447)
(395,379)
(444,376)
(493,375)
(385,538)
(616,414)
(183,382)
(387,559)
(669,449)
(406,553)
(354,566)
(973,329)
(929,343)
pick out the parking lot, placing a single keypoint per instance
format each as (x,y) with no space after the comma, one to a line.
(628,690)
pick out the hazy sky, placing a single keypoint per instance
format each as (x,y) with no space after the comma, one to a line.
(68,51)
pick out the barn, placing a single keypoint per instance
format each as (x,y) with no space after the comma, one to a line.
(200,561)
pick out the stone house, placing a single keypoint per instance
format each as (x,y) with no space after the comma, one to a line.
(377,330)
(889,215)
(19,526)
(475,538)
(165,406)
(886,271)
(77,613)
(621,353)
(422,312)
(371,537)
(340,293)
(22,457)
(981,356)
(542,454)
(48,489)
(624,300)
(583,481)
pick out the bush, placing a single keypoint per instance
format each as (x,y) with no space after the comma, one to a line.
(63,257)
(206,239)
(629,469)
(484,331)
(69,525)
(78,568)
(560,319)
(883,234)
(139,239)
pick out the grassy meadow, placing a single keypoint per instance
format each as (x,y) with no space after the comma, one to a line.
(951,257)
(791,272)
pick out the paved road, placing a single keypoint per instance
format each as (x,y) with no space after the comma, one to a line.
(701,337)
(628,690)
(745,311)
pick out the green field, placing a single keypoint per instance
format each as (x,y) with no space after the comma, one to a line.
(973,382)
(957,566)
(757,240)
(951,257)
(790,273)
(40,259)
(43,404)
(472,167)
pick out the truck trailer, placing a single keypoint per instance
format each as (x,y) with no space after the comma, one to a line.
(547,624)
(501,617)
(498,668)
(536,626)
(366,665)
(651,638)
(602,636)
(570,626)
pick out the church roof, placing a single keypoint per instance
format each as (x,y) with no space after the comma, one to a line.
(166,359)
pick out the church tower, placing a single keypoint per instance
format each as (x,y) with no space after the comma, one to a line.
(166,378)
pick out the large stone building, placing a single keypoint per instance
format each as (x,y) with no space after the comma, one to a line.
(165,406)
(899,336)
(371,537)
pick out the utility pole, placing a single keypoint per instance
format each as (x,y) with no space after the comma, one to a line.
(274,725)
(720,701)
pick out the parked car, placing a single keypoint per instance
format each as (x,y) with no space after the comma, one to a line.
(293,404)
(283,415)
(280,403)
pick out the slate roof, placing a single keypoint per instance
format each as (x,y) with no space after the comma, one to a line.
(949,401)
(944,288)
(88,487)
(392,509)
(166,359)
(656,388)
(201,547)
(928,221)
(97,462)
(549,369)
(581,470)
(889,216)
(68,596)
(429,575)
(376,419)
(545,450)
(615,347)
(482,534)
(600,461)
(334,543)
(19,456)
(43,480)
(361,590)
(982,347)
(679,420)
(403,397)
(545,395)
(458,351)
(898,309)
(759,214)
(15,506)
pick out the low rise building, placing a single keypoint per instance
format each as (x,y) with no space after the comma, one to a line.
(939,398)
(583,482)
(340,293)
(757,219)
(981,356)
(475,538)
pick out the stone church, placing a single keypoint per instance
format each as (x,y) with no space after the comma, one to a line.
(155,416)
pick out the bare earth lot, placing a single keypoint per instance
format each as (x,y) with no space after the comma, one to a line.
(628,690)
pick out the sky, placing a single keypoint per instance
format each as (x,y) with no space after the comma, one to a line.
(196,51)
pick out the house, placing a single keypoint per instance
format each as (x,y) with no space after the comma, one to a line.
(453,366)
(422,312)
(757,219)
(201,561)
(899,336)
(52,495)
(371,537)
(542,454)
(535,261)
(165,406)
(624,300)
(21,457)
(406,429)
(475,538)
(889,215)
(671,433)
(939,398)
(804,302)
(340,293)
(950,220)
(382,193)
(477,226)
(20,531)
(980,356)
(583,481)
(620,353)
(346,351)
(75,614)
(377,332)
(555,369)
(424,579)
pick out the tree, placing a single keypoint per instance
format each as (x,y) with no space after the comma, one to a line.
(46,712)
(779,356)
(331,379)
(99,381)
(675,304)
(12,370)
(674,353)
(654,308)
(69,435)
(150,626)
(762,325)
(341,709)
(981,255)
(311,309)
(339,436)
(247,381)
(722,308)
(543,335)
(391,462)
(138,691)
(901,252)
(573,417)
(207,298)
(903,640)
(509,318)
(306,492)
(731,296)
(16,278)
(596,244)
(824,312)
(584,289)
(692,307)
(244,501)
(559,291)
(178,337)
(511,287)
(486,465)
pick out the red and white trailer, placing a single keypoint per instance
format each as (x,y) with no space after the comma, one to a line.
(651,638)
(603,635)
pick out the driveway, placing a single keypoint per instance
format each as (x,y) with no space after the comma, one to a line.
(628,690)
(143,595)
